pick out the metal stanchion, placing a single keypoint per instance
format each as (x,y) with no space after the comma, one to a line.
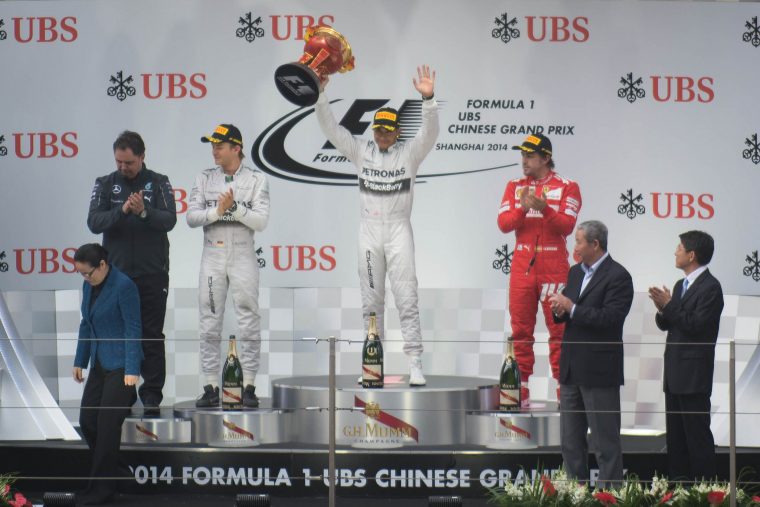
(732,419)
(331,425)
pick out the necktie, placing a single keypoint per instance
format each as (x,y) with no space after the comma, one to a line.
(684,286)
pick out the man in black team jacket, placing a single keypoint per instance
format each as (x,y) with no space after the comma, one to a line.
(134,209)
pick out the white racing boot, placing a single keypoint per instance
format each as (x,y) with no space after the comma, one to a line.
(416,378)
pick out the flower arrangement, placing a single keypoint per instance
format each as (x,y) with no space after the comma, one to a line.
(8,498)
(558,490)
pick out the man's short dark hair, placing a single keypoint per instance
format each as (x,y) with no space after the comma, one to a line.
(700,243)
(91,254)
(131,140)
(594,230)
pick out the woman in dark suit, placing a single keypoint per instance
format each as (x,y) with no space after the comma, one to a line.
(109,344)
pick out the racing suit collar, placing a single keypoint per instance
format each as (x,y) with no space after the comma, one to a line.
(237,171)
(543,180)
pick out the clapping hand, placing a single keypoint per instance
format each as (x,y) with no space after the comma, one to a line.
(660,297)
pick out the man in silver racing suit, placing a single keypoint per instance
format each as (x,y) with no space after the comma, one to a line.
(231,202)
(387,169)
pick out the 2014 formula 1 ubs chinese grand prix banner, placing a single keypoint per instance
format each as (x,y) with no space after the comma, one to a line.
(651,107)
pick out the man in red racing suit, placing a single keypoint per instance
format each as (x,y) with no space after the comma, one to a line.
(542,208)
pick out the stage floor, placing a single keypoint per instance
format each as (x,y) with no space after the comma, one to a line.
(290,473)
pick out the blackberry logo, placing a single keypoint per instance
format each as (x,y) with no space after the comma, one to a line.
(505,29)
(262,262)
(4,34)
(3,149)
(752,35)
(121,87)
(631,207)
(753,152)
(752,269)
(249,29)
(503,260)
(4,265)
(631,89)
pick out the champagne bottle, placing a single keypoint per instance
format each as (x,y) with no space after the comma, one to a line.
(372,356)
(232,379)
(509,381)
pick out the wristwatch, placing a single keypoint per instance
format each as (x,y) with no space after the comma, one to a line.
(428,98)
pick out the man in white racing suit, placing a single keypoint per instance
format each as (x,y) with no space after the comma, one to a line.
(231,202)
(387,170)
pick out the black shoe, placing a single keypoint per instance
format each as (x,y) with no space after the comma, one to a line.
(249,397)
(209,398)
(151,411)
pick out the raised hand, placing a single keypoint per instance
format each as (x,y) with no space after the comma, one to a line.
(426,83)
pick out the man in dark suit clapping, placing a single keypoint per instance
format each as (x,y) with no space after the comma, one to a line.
(691,316)
(593,306)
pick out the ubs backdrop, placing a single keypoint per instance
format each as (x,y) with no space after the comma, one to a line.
(651,106)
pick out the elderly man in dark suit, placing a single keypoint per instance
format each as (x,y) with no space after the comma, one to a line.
(593,306)
(691,316)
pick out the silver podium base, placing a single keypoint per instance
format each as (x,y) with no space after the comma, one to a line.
(236,428)
(448,411)
(527,429)
(156,431)
(395,416)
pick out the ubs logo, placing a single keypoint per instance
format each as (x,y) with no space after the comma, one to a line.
(170,85)
(752,269)
(503,261)
(542,28)
(752,35)
(250,29)
(752,152)
(668,88)
(668,205)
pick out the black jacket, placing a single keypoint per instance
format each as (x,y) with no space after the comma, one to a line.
(136,246)
(592,345)
(692,324)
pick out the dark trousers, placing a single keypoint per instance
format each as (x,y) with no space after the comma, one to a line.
(153,290)
(691,448)
(596,408)
(106,402)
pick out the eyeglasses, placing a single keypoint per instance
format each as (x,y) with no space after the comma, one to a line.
(89,274)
